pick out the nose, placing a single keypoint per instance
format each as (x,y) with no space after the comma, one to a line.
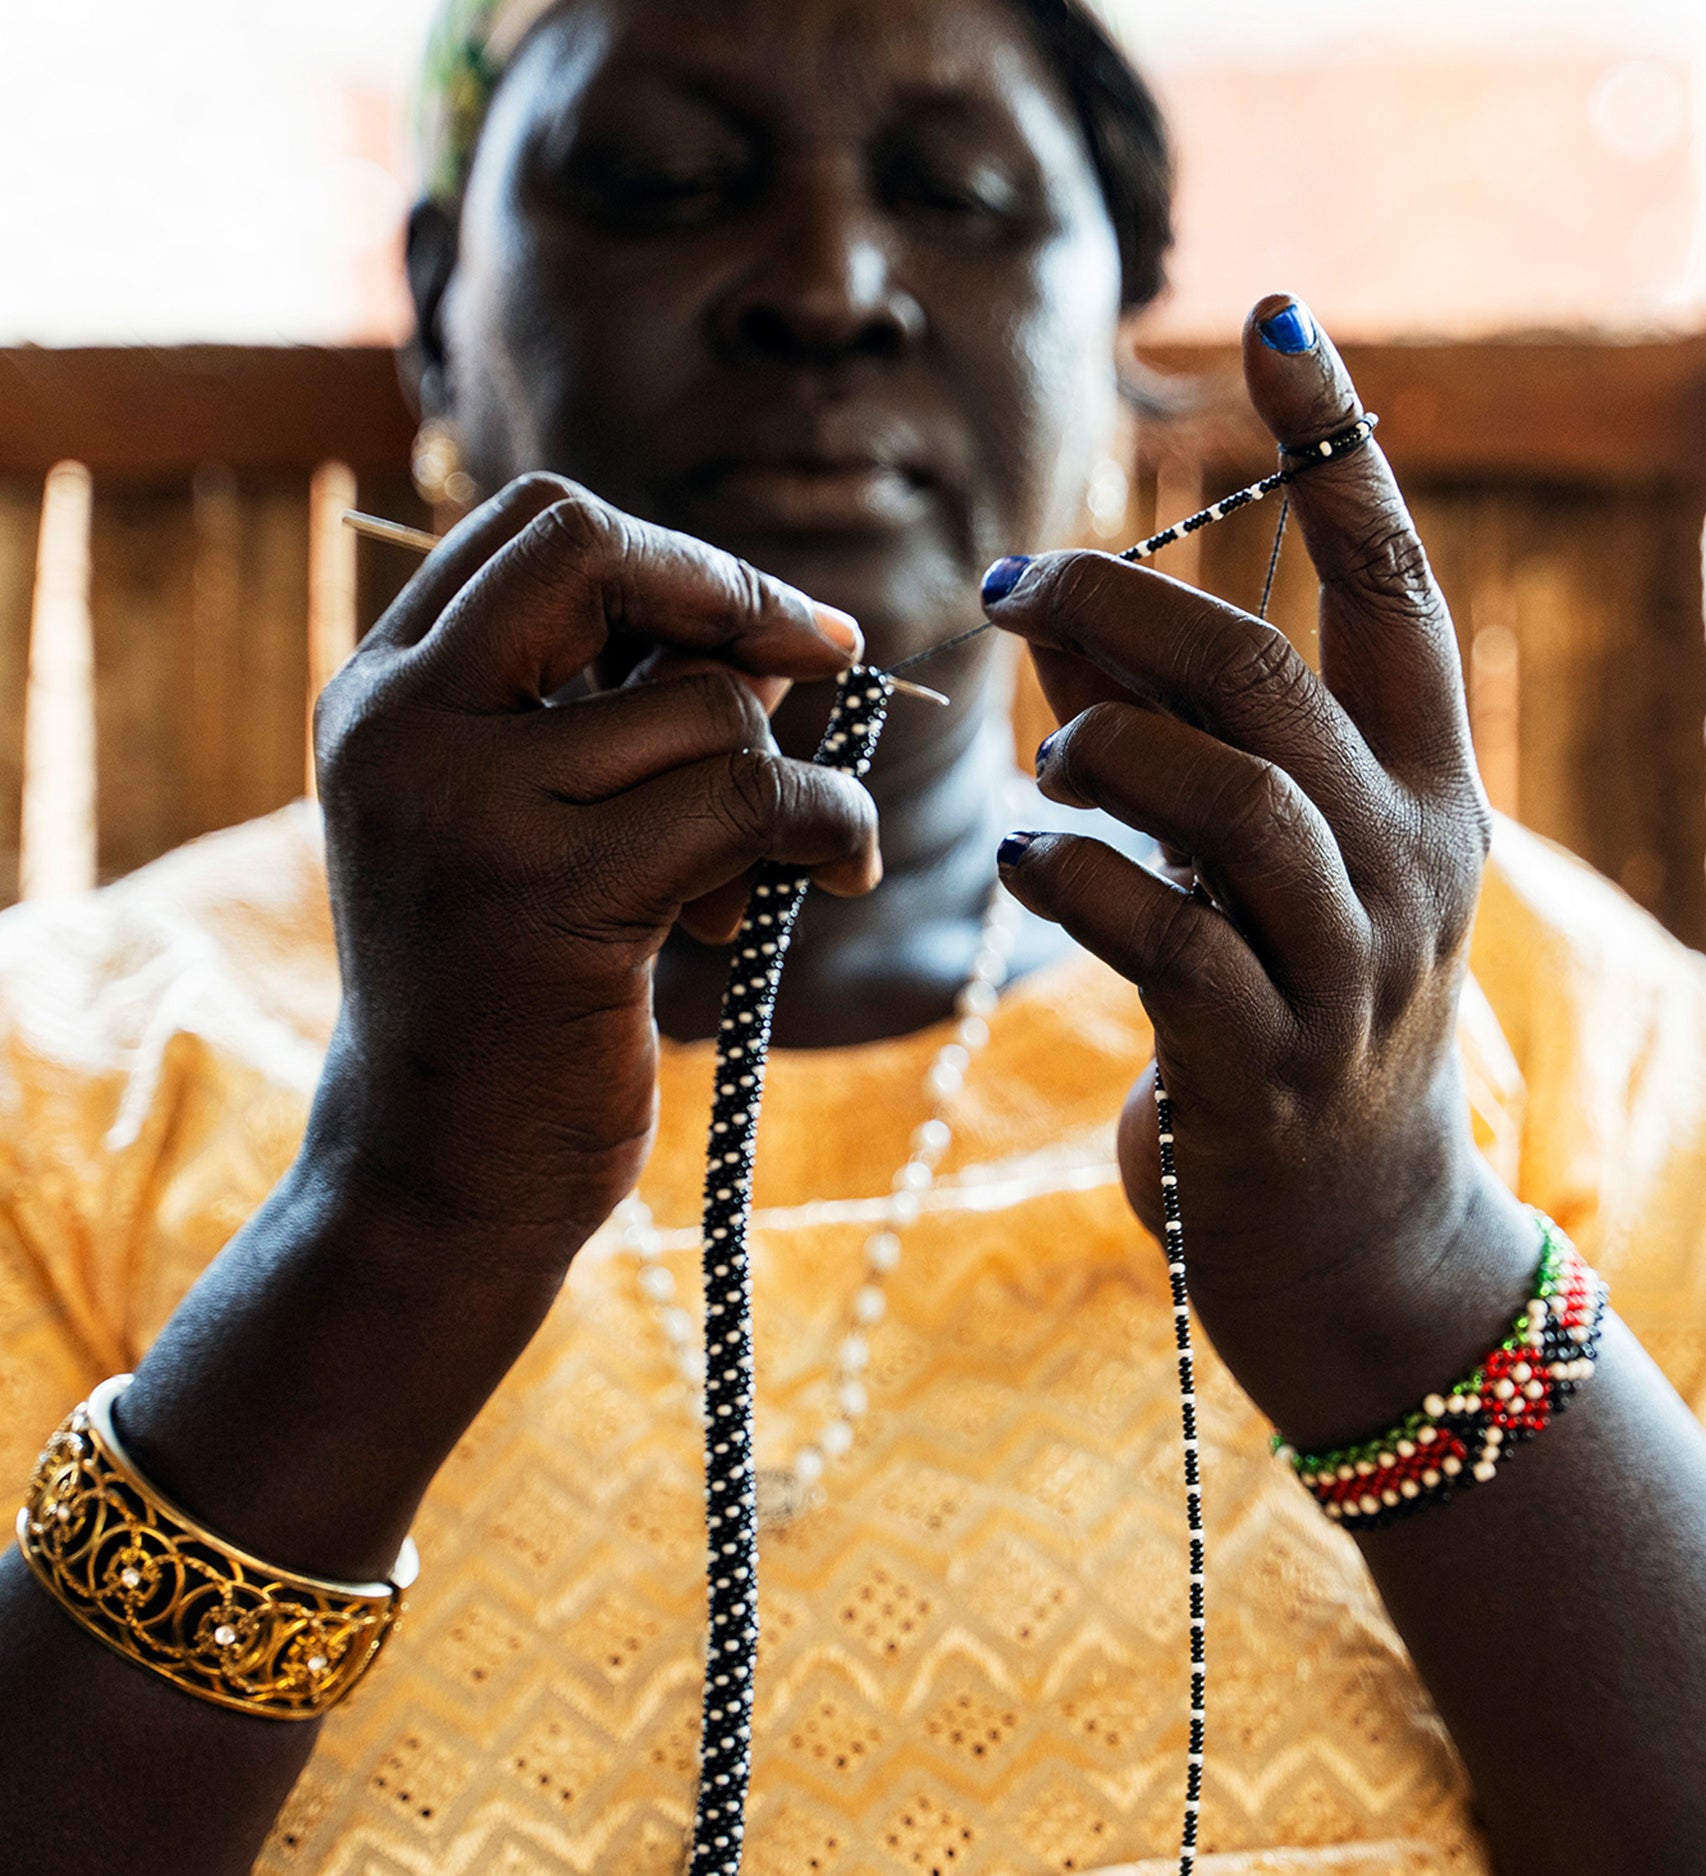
(821,288)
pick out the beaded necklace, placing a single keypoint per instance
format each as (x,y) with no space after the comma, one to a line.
(743,1039)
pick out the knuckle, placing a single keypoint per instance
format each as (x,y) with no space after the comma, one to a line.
(752,801)
(1089,748)
(536,489)
(1386,558)
(749,590)
(576,522)
(1072,588)
(733,715)
(1261,806)
(1262,670)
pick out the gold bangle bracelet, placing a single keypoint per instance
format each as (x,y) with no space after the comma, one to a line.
(161,1590)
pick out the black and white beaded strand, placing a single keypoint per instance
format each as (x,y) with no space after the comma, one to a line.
(743,1043)
(731,1508)
(1173,1231)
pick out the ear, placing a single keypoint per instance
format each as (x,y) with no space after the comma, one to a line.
(430,260)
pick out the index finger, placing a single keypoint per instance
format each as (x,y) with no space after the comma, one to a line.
(534,614)
(1388,650)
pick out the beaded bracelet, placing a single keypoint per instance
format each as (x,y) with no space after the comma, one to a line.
(1461,1438)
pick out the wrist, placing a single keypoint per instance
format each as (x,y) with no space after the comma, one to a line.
(1347,1349)
(304,1394)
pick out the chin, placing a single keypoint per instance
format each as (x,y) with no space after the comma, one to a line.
(905,592)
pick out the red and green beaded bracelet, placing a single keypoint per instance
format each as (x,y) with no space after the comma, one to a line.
(1460,1438)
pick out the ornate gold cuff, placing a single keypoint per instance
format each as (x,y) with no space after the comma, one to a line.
(164,1592)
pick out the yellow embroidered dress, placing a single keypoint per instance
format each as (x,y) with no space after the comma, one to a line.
(973,1650)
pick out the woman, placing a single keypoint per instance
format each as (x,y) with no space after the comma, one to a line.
(837,288)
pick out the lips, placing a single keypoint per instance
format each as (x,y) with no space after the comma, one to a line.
(811,494)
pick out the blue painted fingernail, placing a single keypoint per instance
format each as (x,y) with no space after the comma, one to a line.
(1044,747)
(1000,580)
(1290,330)
(1012,849)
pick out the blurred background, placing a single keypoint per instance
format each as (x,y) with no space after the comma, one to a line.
(1500,205)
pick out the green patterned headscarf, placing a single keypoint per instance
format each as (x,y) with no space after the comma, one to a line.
(470,43)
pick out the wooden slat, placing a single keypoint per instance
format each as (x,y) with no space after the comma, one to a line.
(20,522)
(201,665)
(163,412)
(143,545)
(1553,408)
(1601,589)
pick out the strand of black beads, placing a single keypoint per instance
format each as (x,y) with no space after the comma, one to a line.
(1174,1234)
(731,1521)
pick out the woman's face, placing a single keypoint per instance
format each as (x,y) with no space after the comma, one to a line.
(830,283)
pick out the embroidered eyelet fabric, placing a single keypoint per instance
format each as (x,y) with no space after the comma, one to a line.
(973,1654)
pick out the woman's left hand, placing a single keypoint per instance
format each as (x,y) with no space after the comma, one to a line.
(1347,1244)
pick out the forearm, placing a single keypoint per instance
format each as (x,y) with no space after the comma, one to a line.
(1558,1618)
(298,1404)
(1557,1614)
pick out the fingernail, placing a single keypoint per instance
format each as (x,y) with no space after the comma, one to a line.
(1012,849)
(1044,747)
(1290,330)
(1000,580)
(841,629)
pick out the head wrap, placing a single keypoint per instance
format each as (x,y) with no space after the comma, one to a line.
(468,46)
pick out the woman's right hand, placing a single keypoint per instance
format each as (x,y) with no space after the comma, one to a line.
(504,869)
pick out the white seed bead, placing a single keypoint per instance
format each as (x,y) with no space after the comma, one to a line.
(944,1081)
(658,1282)
(1371,1504)
(1406,1449)
(1485,1470)
(1522,1372)
(1451,1466)
(1495,1436)
(225,1635)
(1430,1478)
(855,1355)
(973,1032)
(904,1208)
(1472,1404)
(869,1305)
(882,1250)
(1408,1488)
(914,1176)
(977,999)
(808,1465)
(1535,1389)
(837,1438)
(1425,1436)
(677,1325)
(1434,1406)
(1504,1387)
(1389,1497)
(853,1398)
(932,1138)
(1537,1310)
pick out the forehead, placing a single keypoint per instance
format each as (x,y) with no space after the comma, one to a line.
(824,61)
